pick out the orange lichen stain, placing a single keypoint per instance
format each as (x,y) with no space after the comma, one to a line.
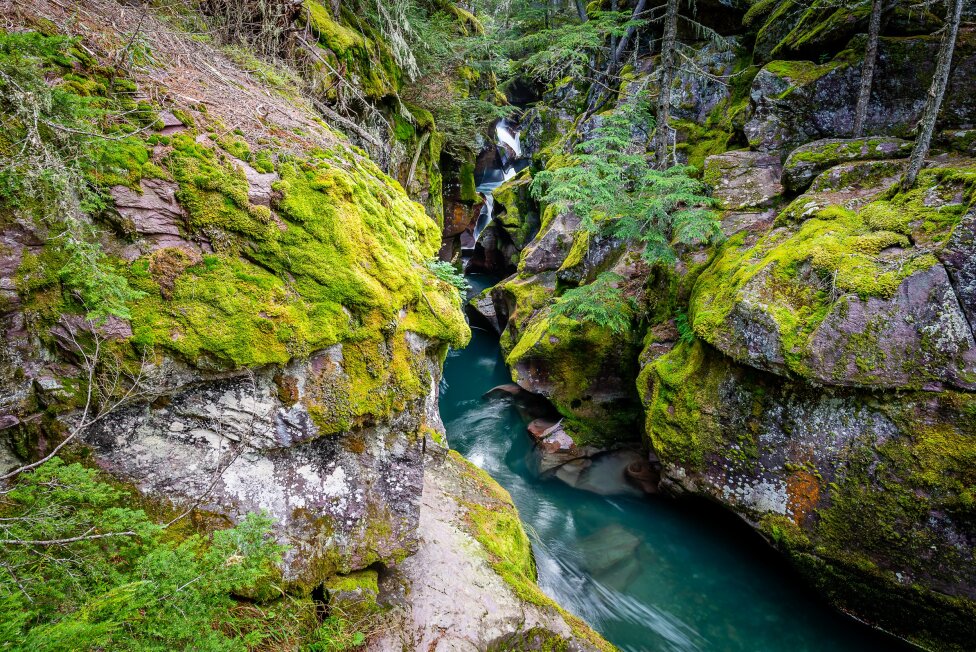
(803,492)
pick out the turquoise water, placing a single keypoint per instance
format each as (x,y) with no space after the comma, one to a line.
(648,573)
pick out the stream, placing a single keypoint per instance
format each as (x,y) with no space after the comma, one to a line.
(648,573)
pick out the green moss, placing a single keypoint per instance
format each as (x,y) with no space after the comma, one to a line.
(495,524)
(581,246)
(698,142)
(337,37)
(574,354)
(263,161)
(468,192)
(352,42)
(839,246)
(800,73)
(340,263)
(183,117)
(678,391)
(403,130)
(783,532)
(880,504)
(236,147)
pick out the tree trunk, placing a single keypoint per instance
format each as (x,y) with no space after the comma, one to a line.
(666,77)
(614,6)
(625,40)
(936,92)
(867,70)
(581,10)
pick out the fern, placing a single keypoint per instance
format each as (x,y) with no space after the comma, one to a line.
(602,302)
(685,332)
(448,273)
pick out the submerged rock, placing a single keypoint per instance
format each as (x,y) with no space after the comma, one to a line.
(607,549)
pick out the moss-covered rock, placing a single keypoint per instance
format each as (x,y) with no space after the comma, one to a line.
(515,211)
(869,494)
(795,102)
(353,45)
(845,297)
(807,161)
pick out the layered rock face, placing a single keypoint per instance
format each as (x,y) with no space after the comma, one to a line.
(281,348)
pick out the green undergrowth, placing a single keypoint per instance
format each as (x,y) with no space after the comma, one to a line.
(140,585)
(495,524)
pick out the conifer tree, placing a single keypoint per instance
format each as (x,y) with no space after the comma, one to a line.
(615,190)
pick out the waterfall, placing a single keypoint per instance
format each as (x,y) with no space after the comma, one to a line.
(506,137)
(503,136)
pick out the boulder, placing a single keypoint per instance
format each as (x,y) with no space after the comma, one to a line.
(959,258)
(851,296)
(607,548)
(850,484)
(742,179)
(483,305)
(809,160)
(916,338)
(552,245)
(242,445)
(795,102)
(555,448)
(757,221)
(503,391)
(608,475)
(515,212)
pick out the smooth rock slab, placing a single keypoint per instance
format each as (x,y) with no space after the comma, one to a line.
(454,600)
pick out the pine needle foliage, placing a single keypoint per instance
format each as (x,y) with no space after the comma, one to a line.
(601,302)
(448,273)
(614,189)
(569,50)
(80,570)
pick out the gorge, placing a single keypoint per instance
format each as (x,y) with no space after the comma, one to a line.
(508,325)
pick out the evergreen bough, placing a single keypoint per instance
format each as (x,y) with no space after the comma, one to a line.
(615,190)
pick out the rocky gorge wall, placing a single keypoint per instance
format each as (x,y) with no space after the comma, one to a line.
(814,373)
(282,345)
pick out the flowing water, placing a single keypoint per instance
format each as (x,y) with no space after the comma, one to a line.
(648,573)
